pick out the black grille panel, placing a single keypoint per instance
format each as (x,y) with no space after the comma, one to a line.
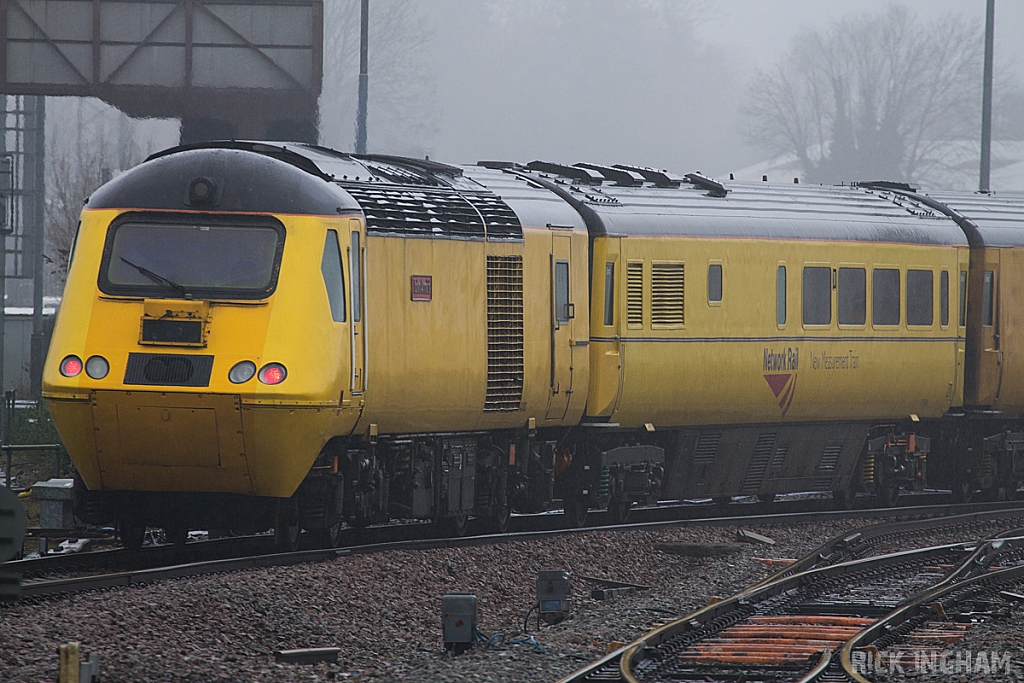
(168,370)
(435,212)
(172,331)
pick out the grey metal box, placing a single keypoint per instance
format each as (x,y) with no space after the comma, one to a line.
(56,502)
(458,618)
(553,591)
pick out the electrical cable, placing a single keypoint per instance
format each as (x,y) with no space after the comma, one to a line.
(526,620)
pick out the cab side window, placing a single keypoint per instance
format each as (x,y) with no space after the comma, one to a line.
(334,278)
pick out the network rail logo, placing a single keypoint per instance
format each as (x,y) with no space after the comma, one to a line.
(780,368)
(927,661)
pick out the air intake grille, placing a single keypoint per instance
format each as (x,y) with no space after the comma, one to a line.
(779,460)
(707,448)
(504,333)
(759,463)
(667,283)
(168,370)
(635,294)
(435,212)
(830,457)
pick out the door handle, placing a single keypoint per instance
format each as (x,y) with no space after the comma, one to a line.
(570,310)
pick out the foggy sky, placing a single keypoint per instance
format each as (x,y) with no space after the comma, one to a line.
(603,103)
(597,84)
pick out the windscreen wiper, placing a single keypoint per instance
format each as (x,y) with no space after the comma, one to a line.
(158,278)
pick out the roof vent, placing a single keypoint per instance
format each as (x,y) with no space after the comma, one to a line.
(621,176)
(714,188)
(583,175)
(659,178)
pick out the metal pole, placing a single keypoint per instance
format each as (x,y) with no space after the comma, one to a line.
(3,246)
(38,351)
(364,77)
(986,99)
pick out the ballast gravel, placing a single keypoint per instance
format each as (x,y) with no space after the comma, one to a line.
(384,610)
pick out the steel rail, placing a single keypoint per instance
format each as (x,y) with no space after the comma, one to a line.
(165,562)
(864,539)
(530,527)
(924,603)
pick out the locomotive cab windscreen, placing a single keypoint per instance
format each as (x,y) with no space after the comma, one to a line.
(209,258)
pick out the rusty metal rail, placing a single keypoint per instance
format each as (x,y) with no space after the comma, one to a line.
(788,626)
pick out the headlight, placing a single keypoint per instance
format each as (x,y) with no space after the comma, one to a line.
(71,366)
(273,373)
(97,367)
(242,371)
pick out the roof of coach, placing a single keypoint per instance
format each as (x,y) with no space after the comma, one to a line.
(221,178)
(997,218)
(636,201)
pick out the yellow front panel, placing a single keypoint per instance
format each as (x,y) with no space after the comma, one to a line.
(732,362)
(173,437)
(151,441)
(181,438)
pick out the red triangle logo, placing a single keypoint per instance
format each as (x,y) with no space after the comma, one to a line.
(777,382)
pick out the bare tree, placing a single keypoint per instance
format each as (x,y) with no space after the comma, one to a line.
(95,143)
(873,97)
(402,108)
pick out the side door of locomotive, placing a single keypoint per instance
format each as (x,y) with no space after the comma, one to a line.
(563,314)
(356,262)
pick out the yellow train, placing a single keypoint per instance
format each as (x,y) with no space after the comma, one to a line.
(259,335)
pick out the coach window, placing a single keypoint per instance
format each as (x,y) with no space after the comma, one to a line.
(817,295)
(334,279)
(963,298)
(920,308)
(609,294)
(987,310)
(715,283)
(780,296)
(944,298)
(885,296)
(853,297)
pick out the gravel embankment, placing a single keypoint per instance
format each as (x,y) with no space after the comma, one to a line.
(383,611)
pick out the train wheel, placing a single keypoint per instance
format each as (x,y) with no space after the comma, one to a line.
(766,498)
(457,525)
(721,501)
(500,520)
(176,533)
(619,510)
(888,492)
(963,490)
(844,499)
(329,537)
(576,511)
(133,532)
(286,526)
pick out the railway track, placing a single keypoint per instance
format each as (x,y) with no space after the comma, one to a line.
(834,600)
(48,577)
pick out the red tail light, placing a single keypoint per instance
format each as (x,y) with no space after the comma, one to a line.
(272,373)
(71,366)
